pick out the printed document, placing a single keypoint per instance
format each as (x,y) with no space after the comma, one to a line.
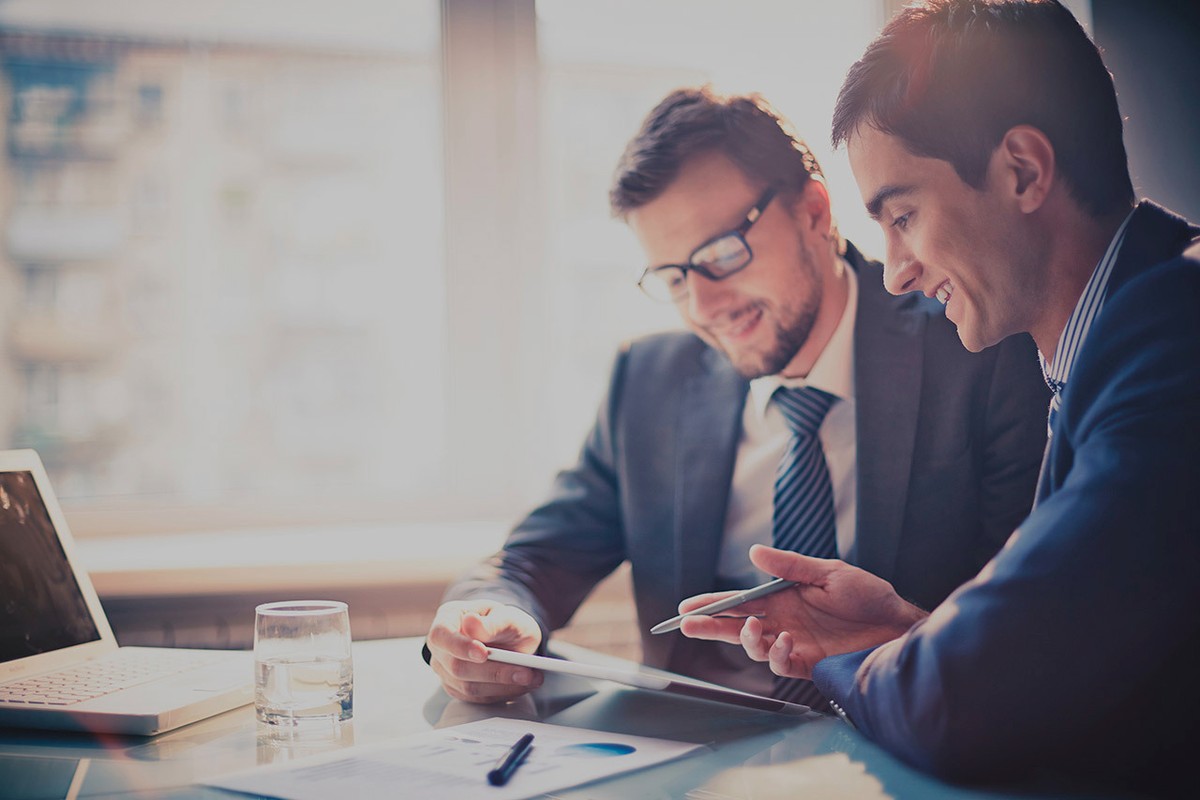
(454,762)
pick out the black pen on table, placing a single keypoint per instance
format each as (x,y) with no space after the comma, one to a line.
(508,763)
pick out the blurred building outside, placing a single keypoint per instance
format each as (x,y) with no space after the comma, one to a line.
(302,295)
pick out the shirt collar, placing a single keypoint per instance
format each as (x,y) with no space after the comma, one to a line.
(833,371)
(1080,321)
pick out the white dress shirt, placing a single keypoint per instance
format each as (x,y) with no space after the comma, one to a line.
(765,437)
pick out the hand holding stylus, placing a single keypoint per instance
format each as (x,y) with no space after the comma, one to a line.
(732,601)
(835,608)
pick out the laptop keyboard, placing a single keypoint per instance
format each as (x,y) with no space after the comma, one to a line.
(112,673)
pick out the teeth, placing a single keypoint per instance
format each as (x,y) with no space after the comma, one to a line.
(943,293)
(742,322)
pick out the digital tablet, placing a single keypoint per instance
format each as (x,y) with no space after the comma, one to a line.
(656,680)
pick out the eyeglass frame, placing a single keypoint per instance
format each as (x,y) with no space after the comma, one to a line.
(752,216)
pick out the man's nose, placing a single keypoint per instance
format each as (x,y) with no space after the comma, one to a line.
(901,271)
(706,297)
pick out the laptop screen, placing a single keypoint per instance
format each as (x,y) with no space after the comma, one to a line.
(41,606)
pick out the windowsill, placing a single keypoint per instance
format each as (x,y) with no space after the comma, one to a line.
(291,558)
(200,589)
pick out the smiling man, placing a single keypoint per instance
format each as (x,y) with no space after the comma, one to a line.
(946,237)
(986,140)
(804,407)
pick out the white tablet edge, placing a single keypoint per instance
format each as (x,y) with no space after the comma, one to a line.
(628,676)
(632,677)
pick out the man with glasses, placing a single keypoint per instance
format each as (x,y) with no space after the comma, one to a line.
(806,407)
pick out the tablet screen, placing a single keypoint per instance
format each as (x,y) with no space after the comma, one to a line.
(653,680)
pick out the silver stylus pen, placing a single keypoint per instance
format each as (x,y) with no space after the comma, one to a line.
(770,587)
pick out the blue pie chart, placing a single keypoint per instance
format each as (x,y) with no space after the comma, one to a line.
(596,750)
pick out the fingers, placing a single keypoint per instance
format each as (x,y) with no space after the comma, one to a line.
(446,638)
(716,629)
(754,639)
(792,566)
(458,643)
(489,682)
(785,661)
(490,629)
(463,628)
(699,600)
(779,651)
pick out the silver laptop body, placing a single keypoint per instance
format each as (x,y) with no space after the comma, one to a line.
(58,656)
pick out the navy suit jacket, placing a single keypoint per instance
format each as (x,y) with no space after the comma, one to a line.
(949,445)
(1075,652)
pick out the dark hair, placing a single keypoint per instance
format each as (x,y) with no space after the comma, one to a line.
(950,77)
(693,121)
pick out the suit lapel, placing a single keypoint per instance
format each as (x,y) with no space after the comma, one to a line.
(710,423)
(1154,235)
(888,348)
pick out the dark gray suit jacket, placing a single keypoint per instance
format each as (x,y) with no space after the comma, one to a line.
(949,445)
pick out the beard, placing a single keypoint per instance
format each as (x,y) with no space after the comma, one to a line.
(791,332)
(792,325)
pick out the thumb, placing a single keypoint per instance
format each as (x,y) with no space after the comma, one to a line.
(790,565)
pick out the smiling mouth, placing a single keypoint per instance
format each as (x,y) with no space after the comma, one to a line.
(739,323)
(944,292)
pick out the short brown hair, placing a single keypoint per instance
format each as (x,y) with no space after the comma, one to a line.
(692,121)
(949,78)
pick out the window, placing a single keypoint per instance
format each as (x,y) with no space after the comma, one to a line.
(318,262)
(222,236)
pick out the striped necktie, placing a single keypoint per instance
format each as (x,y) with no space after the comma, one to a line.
(804,513)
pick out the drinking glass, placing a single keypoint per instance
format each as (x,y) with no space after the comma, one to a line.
(303,673)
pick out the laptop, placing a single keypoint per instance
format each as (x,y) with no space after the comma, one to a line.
(60,665)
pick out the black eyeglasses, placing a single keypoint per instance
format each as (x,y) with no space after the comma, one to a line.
(716,259)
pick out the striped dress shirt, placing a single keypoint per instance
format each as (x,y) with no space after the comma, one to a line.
(1076,330)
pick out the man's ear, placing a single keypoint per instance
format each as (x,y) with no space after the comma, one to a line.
(811,208)
(1026,164)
